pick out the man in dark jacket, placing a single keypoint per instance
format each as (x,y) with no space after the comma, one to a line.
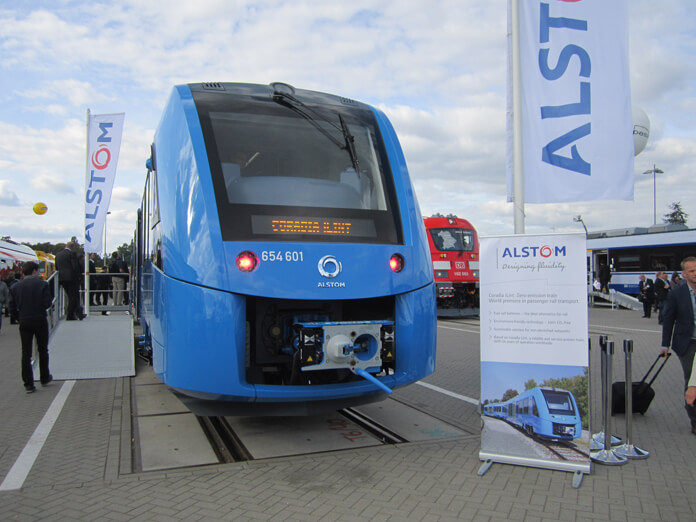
(604,274)
(31,297)
(661,291)
(647,294)
(678,320)
(69,277)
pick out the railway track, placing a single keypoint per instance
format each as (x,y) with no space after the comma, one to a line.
(239,439)
(564,450)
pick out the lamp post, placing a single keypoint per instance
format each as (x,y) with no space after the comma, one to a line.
(105,250)
(654,171)
(578,219)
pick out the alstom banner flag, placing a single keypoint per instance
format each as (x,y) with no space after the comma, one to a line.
(103,145)
(577,131)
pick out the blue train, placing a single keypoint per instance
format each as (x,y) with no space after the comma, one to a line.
(548,413)
(282,265)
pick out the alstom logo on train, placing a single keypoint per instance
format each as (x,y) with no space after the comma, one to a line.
(534,251)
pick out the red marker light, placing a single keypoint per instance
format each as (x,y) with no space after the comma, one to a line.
(247,261)
(396,262)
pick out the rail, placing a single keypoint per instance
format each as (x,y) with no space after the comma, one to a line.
(101,289)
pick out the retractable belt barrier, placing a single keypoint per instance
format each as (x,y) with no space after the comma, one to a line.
(607,455)
(627,449)
(597,440)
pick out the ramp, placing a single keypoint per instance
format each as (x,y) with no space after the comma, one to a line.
(614,299)
(96,348)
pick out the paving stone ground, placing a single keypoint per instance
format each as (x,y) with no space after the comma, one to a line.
(84,470)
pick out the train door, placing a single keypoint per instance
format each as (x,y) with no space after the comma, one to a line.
(594,260)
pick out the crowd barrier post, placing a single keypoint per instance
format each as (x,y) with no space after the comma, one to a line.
(597,440)
(607,455)
(627,449)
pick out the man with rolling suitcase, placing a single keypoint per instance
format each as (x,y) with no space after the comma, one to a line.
(679,327)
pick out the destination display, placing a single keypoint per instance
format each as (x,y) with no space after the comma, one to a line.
(320,226)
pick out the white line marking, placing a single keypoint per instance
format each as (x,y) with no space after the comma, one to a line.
(475,402)
(458,329)
(600,326)
(22,466)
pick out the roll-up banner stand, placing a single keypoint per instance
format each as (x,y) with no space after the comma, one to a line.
(534,356)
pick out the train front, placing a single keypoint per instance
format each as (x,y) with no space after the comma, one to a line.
(455,255)
(559,415)
(286,268)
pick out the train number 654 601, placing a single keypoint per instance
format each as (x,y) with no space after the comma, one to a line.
(279,255)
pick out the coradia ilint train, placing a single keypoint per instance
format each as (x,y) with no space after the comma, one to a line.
(549,413)
(282,263)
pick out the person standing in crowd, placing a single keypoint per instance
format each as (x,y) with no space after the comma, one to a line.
(661,291)
(69,276)
(604,275)
(103,281)
(11,281)
(675,282)
(647,294)
(31,298)
(118,266)
(4,298)
(92,279)
(679,328)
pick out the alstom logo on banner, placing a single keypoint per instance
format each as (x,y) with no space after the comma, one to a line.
(104,142)
(544,251)
(579,102)
(100,161)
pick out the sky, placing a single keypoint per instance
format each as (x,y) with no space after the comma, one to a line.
(437,69)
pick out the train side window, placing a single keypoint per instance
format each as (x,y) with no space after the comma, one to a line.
(154,200)
(628,262)
(535,411)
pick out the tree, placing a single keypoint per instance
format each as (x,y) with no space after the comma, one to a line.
(677,216)
(509,394)
(530,384)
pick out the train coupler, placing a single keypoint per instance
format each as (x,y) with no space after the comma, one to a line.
(345,345)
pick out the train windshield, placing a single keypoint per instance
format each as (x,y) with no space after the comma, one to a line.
(305,172)
(559,402)
(453,239)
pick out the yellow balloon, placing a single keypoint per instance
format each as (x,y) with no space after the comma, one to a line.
(40,208)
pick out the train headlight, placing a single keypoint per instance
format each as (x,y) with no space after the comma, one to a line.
(247,261)
(396,262)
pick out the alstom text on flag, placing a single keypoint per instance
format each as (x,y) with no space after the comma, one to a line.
(581,107)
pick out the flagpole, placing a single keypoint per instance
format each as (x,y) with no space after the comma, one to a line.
(518,172)
(84,239)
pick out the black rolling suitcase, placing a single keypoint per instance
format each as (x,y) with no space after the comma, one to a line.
(643,394)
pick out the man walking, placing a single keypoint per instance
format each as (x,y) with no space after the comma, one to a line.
(31,297)
(679,326)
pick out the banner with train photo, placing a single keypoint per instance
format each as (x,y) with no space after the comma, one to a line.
(534,351)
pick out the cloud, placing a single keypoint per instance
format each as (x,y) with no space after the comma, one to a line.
(438,71)
(52,183)
(8,198)
(77,93)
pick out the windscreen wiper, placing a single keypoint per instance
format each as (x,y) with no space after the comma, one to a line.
(350,144)
(296,105)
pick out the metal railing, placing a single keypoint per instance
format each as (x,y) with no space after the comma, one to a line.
(57,311)
(101,292)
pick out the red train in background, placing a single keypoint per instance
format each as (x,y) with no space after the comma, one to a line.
(454,248)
